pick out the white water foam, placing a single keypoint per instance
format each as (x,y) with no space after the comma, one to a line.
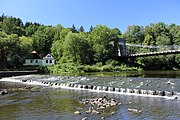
(64,86)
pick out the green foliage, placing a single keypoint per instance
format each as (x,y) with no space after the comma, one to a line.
(73,29)
(81,29)
(43,39)
(77,48)
(80,51)
(158,62)
(148,40)
(65,68)
(30,29)
(91,29)
(124,67)
(155,34)
(177,60)
(9,47)
(134,34)
(25,45)
(101,37)
(12,25)
(163,40)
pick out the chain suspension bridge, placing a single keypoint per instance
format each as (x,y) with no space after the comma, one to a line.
(126,50)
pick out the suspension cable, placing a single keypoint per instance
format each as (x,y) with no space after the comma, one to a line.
(150,46)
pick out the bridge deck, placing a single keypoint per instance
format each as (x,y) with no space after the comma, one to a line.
(152,54)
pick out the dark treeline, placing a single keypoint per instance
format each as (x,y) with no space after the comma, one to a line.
(74,46)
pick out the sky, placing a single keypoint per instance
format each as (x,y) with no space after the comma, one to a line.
(112,13)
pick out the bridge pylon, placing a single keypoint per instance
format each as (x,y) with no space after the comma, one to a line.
(122,47)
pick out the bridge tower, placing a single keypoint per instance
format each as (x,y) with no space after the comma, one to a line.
(122,47)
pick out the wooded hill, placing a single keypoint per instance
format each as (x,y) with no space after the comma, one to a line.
(72,45)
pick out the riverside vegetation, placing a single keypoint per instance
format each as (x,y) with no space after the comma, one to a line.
(78,51)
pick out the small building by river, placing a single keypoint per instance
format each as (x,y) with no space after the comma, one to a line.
(35,59)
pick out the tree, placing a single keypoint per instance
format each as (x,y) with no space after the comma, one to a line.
(101,37)
(134,34)
(148,40)
(77,48)
(42,40)
(91,29)
(160,29)
(81,29)
(57,49)
(57,45)
(73,29)
(174,31)
(57,31)
(11,25)
(31,28)
(177,38)
(9,49)
(25,48)
(163,40)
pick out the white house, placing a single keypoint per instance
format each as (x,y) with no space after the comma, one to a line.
(37,60)
(48,60)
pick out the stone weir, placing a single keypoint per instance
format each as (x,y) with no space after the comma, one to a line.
(16,73)
(108,89)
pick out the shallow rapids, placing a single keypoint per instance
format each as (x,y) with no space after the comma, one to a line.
(150,87)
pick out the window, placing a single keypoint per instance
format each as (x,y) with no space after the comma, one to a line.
(36,61)
(46,61)
(50,61)
(31,61)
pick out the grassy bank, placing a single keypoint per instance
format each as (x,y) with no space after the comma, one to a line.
(99,67)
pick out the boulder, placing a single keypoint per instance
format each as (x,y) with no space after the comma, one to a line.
(3,92)
(24,80)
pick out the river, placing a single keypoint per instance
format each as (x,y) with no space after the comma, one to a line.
(59,103)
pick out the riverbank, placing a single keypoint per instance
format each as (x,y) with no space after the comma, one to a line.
(16,73)
(69,68)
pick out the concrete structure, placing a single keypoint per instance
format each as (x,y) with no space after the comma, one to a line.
(36,60)
(122,43)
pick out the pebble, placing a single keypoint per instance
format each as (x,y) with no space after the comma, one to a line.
(95,112)
(135,110)
(85,118)
(98,105)
(112,113)
(77,113)
(102,118)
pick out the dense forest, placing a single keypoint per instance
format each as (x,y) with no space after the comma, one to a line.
(76,50)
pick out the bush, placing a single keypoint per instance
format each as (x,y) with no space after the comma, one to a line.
(107,68)
(93,68)
(72,68)
(99,64)
(124,67)
(65,68)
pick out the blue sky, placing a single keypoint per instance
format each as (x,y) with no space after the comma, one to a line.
(112,13)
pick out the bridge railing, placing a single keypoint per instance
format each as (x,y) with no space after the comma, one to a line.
(138,48)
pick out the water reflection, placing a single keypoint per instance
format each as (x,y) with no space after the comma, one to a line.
(140,74)
(60,104)
(51,103)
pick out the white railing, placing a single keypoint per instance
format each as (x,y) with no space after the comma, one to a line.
(175,47)
(149,49)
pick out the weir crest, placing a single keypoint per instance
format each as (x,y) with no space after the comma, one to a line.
(107,89)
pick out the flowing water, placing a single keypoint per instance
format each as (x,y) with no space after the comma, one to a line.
(57,97)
